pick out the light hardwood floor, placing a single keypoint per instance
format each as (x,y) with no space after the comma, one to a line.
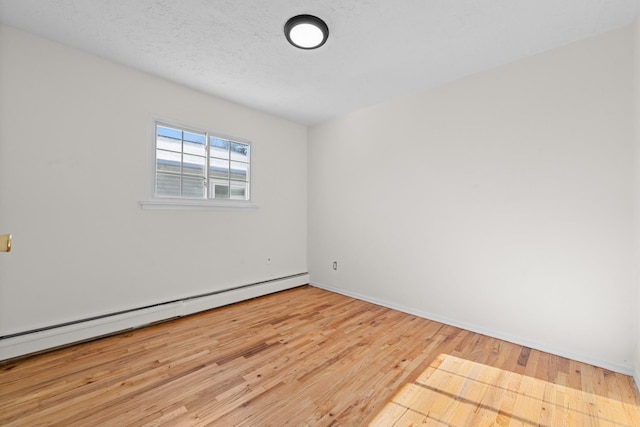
(308,357)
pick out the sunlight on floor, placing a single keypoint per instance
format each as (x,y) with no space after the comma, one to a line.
(458,392)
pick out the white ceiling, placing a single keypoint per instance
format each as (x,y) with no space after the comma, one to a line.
(377,49)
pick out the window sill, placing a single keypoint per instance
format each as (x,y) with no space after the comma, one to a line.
(196,205)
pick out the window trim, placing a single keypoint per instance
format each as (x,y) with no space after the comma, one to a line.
(153,202)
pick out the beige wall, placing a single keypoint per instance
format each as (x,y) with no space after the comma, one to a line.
(502,202)
(75,138)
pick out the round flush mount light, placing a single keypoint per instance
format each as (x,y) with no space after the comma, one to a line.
(306,31)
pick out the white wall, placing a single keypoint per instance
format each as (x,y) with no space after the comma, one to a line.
(501,202)
(636,112)
(75,137)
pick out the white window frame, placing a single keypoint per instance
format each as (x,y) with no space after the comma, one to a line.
(154,202)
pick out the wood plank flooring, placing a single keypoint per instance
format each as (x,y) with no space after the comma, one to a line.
(308,357)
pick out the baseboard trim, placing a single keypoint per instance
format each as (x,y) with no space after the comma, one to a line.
(626,370)
(23,344)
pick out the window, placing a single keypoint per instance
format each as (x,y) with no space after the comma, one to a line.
(198,165)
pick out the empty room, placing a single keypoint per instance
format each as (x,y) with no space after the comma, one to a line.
(319,213)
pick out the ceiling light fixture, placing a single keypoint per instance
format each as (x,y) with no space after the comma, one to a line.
(306,31)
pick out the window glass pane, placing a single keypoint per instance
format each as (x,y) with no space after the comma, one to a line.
(193,165)
(218,168)
(169,144)
(194,143)
(218,189)
(168,161)
(239,152)
(218,148)
(239,190)
(168,132)
(192,187)
(167,185)
(239,171)
(168,138)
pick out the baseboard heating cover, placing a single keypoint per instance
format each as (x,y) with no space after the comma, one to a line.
(28,342)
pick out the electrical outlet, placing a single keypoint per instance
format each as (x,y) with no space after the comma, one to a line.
(335,265)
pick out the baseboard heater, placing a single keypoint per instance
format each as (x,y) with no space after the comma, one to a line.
(41,339)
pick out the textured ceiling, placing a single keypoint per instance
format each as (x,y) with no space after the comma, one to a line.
(377,49)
